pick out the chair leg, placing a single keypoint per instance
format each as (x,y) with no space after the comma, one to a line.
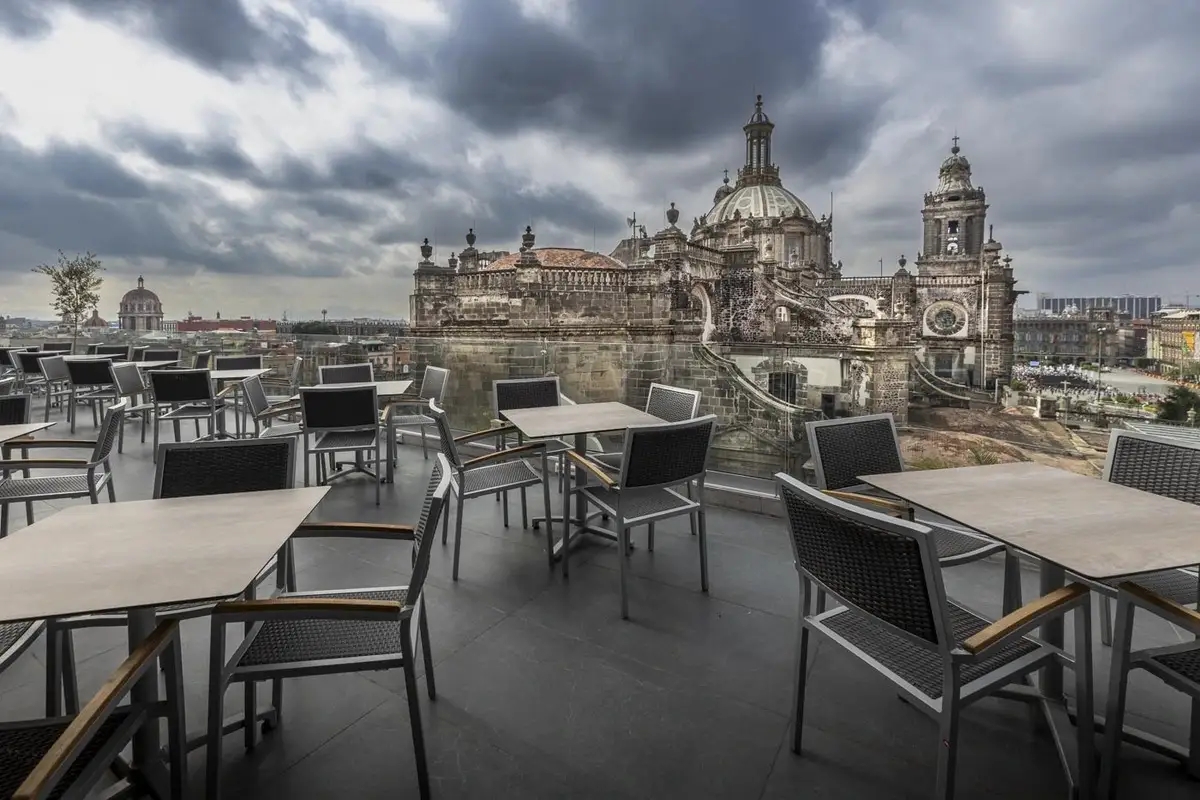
(70,677)
(457,534)
(1106,620)
(305,459)
(549,522)
(623,568)
(250,710)
(1118,685)
(801,671)
(53,672)
(414,717)
(112,489)
(216,702)
(703,537)
(154,440)
(121,438)
(524,511)
(3,520)
(446,524)
(424,445)
(378,471)
(1085,730)
(948,738)
(1012,582)
(504,504)
(172,663)
(427,651)
(28,513)
(650,536)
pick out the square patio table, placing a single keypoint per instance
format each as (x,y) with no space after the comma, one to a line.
(140,555)
(580,421)
(10,432)
(1072,523)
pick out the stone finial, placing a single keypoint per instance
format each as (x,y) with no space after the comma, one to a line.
(426,249)
(903,261)
(746,231)
(527,238)
(470,237)
(452,262)
(1007,261)
(672,215)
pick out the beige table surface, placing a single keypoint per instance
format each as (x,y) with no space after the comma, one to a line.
(154,364)
(9,432)
(1086,525)
(137,554)
(236,374)
(385,389)
(584,418)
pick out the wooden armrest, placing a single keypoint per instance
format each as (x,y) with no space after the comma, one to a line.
(470,437)
(1180,615)
(366,530)
(43,463)
(503,455)
(1027,616)
(228,390)
(278,410)
(75,738)
(319,606)
(895,507)
(64,443)
(596,469)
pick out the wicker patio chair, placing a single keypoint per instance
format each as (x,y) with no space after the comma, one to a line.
(263,412)
(894,616)
(843,449)
(69,757)
(7,385)
(57,385)
(343,418)
(656,458)
(333,631)
(202,360)
(58,347)
(29,373)
(500,471)
(288,387)
(433,387)
(129,385)
(159,354)
(137,352)
(186,394)
(512,393)
(88,476)
(117,351)
(1167,467)
(91,383)
(1176,665)
(346,373)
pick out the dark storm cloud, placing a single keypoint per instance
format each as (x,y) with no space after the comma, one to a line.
(23,19)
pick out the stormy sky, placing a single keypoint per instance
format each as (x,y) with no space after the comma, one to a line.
(260,156)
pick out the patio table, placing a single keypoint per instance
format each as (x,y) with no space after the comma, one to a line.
(1072,523)
(221,376)
(387,391)
(580,421)
(141,555)
(10,432)
(156,364)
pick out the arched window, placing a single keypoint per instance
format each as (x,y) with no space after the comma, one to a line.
(782,314)
(789,384)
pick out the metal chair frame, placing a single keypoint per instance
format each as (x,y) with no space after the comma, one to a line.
(332,437)
(346,373)
(262,411)
(895,617)
(433,387)
(58,347)
(91,383)
(129,385)
(196,402)
(58,382)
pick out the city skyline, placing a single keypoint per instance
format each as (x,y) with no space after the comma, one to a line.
(266,157)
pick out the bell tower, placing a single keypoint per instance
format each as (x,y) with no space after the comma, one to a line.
(955,216)
(758,170)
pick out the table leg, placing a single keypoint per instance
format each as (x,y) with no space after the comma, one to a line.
(1052,577)
(147,764)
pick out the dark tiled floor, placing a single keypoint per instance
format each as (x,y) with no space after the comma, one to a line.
(545,692)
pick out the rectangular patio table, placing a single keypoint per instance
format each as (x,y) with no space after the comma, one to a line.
(580,421)
(10,432)
(386,392)
(1072,523)
(140,555)
(220,376)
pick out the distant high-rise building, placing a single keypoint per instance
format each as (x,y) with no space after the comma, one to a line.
(1138,307)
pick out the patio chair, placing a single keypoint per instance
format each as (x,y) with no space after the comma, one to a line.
(91,383)
(7,385)
(288,388)
(237,362)
(1176,665)
(87,477)
(130,385)
(500,471)
(203,359)
(513,393)
(57,382)
(342,418)
(843,449)
(263,412)
(70,756)
(58,347)
(656,458)
(29,372)
(117,351)
(91,348)
(1168,467)
(346,373)
(159,354)
(894,616)
(433,387)
(186,394)
(138,352)
(182,469)
(16,409)
(335,631)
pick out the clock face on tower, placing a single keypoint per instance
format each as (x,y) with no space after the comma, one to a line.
(952,247)
(945,318)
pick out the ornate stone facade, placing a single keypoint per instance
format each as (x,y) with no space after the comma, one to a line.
(140,309)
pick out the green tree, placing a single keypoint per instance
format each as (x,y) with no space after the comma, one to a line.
(75,287)
(1177,403)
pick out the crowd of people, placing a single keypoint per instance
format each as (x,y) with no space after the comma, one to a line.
(1068,380)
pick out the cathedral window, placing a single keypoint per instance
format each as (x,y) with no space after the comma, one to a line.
(952,228)
(782,385)
(782,315)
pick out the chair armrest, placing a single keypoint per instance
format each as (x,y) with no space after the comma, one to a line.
(596,469)
(1168,609)
(228,390)
(42,463)
(71,744)
(64,443)
(894,507)
(360,530)
(470,437)
(503,455)
(277,410)
(307,608)
(1028,616)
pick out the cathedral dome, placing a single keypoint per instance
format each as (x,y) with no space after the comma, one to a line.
(141,295)
(955,172)
(762,200)
(724,190)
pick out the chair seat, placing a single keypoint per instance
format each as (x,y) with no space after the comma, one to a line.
(413,419)
(495,477)
(952,544)
(198,411)
(49,486)
(25,744)
(1178,585)
(10,634)
(918,666)
(1185,663)
(637,504)
(345,440)
(281,429)
(291,641)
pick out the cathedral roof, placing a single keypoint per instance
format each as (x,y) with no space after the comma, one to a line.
(565,257)
(955,172)
(141,294)
(761,200)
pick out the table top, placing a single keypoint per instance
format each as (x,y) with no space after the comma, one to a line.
(237,374)
(385,389)
(138,554)
(574,420)
(1091,527)
(10,432)
(155,364)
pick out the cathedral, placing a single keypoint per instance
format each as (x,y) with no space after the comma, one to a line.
(754,286)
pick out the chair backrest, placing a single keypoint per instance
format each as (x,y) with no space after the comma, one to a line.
(237,362)
(433,384)
(91,348)
(843,449)
(882,566)
(190,469)
(672,404)
(109,428)
(297,368)
(137,352)
(256,396)
(346,373)
(159,355)
(666,454)
(7,354)
(339,408)
(7,385)
(57,347)
(127,377)
(449,447)
(202,359)
(1155,464)
(54,368)
(118,350)
(423,532)
(513,393)
(90,372)
(181,385)
(15,409)
(27,361)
